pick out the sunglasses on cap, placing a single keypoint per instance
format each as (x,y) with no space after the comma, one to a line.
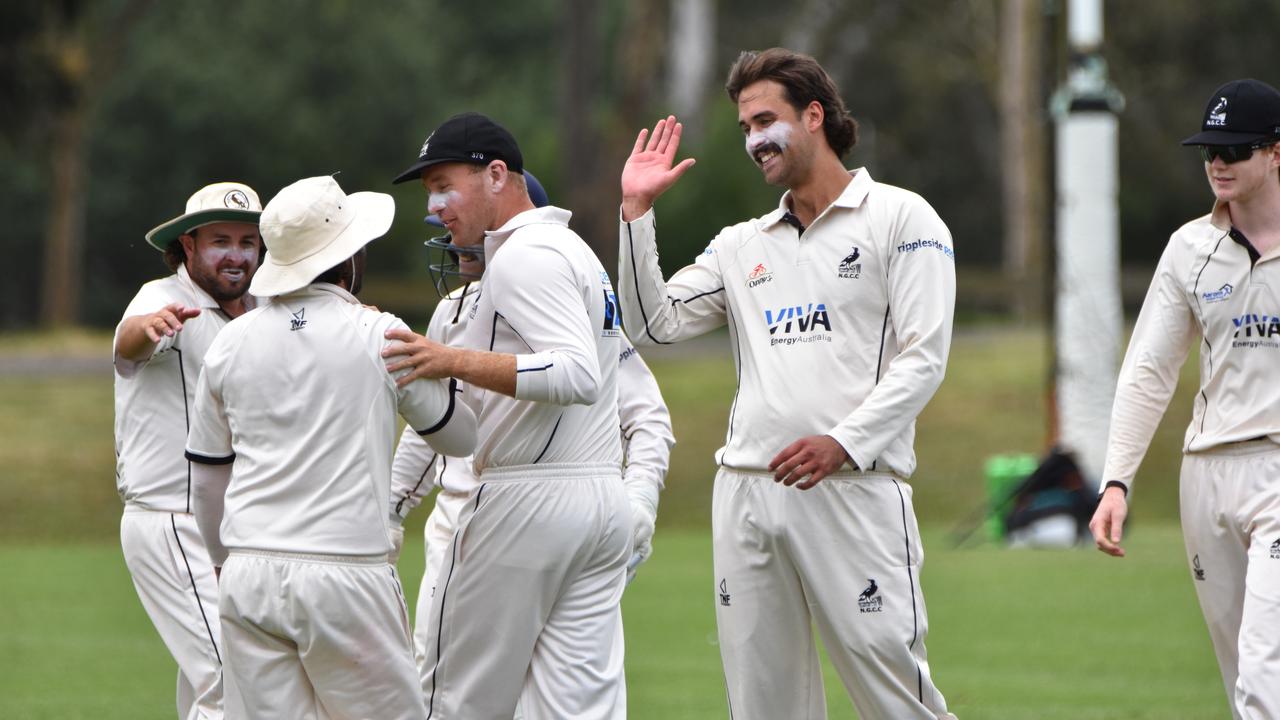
(1231,153)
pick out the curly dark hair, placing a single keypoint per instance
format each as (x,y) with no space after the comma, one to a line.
(805,81)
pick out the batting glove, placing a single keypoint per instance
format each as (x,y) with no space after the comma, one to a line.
(644,514)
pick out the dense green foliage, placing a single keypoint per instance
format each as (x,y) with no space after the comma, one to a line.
(270,92)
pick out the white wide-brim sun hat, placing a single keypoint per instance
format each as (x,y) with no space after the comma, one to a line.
(311,226)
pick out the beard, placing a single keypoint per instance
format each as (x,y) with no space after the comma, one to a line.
(220,287)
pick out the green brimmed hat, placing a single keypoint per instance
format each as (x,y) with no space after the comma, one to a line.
(219,202)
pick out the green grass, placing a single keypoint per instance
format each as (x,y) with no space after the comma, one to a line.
(1038,635)
(1013,635)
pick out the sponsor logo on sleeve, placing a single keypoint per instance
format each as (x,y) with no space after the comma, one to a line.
(758,276)
(1275,550)
(1218,295)
(1196,570)
(806,323)
(612,318)
(724,592)
(1254,330)
(926,244)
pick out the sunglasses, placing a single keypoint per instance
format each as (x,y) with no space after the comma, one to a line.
(1231,153)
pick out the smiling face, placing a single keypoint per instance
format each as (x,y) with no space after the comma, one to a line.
(459,194)
(779,137)
(222,257)
(1241,180)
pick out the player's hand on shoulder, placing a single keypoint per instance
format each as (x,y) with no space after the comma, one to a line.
(419,355)
(814,457)
(1107,524)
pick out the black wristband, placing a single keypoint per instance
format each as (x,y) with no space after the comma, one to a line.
(1116,483)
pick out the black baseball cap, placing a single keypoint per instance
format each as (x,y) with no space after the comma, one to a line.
(1240,112)
(470,138)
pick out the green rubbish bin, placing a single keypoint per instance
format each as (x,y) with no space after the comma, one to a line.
(1004,474)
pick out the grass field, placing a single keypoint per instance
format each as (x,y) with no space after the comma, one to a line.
(1062,634)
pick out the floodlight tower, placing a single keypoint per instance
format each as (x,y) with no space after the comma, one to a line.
(1087,308)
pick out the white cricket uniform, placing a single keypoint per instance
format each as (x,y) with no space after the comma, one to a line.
(1210,284)
(161,544)
(646,437)
(841,330)
(549,525)
(295,395)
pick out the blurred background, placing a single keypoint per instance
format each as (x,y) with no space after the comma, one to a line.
(115,111)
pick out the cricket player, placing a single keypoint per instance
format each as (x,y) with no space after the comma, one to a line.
(839,305)
(1216,283)
(292,428)
(213,250)
(646,436)
(527,611)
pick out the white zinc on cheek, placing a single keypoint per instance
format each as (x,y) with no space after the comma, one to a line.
(779,133)
(439,201)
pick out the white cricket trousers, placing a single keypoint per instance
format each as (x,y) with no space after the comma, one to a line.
(526,610)
(315,637)
(1230,501)
(843,556)
(437,534)
(174,579)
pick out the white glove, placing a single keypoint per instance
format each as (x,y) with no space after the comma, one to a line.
(395,533)
(644,513)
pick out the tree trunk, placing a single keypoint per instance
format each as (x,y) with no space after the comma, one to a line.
(595,147)
(1022,140)
(64,231)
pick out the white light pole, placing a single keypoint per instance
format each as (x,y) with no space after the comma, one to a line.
(1088,310)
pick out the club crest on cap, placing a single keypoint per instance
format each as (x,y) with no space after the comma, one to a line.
(1218,116)
(425,144)
(236,199)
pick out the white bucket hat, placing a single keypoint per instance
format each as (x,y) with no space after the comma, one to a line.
(312,225)
(219,202)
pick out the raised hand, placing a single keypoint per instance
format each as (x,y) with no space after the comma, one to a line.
(649,171)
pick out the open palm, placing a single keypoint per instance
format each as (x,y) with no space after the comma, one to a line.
(649,171)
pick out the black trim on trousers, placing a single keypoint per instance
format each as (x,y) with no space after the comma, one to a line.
(194,591)
(915,619)
(444,595)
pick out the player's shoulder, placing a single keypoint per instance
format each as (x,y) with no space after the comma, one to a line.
(160,292)
(1199,231)
(896,200)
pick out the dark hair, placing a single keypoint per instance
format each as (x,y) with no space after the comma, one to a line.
(805,81)
(175,256)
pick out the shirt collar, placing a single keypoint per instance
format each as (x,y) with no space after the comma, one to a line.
(316,289)
(549,214)
(1220,217)
(851,197)
(203,299)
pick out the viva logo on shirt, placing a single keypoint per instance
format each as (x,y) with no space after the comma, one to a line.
(1256,330)
(798,324)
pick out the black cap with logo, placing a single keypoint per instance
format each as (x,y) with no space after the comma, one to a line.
(1240,112)
(470,138)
